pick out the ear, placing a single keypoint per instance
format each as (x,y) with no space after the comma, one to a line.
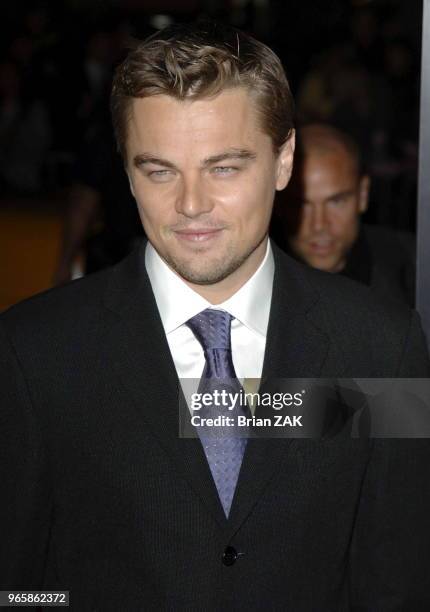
(363,193)
(285,162)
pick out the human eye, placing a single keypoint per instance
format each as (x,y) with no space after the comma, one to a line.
(338,201)
(224,170)
(160,176)
(302,205)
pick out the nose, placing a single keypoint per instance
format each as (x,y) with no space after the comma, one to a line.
(318,218)
(192,199)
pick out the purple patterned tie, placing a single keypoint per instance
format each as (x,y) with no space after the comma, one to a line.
(224,446)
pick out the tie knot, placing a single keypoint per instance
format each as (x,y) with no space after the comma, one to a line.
(212,328)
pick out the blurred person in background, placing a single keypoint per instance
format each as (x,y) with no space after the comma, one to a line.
(320,213)
(340,90)
(365,36)
(394,158)
(25,133)
(317,96)
(95,75)
(366,82)
(101,222)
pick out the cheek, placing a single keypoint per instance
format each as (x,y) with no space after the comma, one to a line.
(302,220)
(155,203)
(244,187)
(153,216)
(345,226)
(254,209)
(241,200)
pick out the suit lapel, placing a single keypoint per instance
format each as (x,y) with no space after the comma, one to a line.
(145,368)
(295,348)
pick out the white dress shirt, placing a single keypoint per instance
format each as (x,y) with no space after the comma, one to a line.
(250,307)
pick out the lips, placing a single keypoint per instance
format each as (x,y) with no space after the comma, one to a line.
(203,234)
(321,246)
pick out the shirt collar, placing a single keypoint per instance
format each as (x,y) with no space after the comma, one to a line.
(250,304)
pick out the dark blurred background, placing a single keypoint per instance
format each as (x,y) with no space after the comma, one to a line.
(353,63)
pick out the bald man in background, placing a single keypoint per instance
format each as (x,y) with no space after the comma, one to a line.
(320,214)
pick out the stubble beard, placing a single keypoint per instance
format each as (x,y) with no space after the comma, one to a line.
(210,272)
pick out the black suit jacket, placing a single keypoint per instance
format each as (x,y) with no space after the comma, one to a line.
(384,259)
(101,497)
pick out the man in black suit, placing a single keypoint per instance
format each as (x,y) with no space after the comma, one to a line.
(318,217)
(100,495)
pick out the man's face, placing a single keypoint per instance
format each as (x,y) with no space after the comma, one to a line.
(204,176)
(330,197)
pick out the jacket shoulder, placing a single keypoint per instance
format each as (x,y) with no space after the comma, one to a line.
(59,303)
(344,294)
(364,324)
(63,321)
(390,244)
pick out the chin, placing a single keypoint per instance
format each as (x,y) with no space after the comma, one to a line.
(324,265)
(208,272)
(203,275)
(333,268)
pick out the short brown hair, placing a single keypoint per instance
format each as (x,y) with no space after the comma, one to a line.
(198,61)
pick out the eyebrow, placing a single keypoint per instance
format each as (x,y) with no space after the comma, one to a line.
(148,158)
(244,154)
(341,194)
(298,197)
